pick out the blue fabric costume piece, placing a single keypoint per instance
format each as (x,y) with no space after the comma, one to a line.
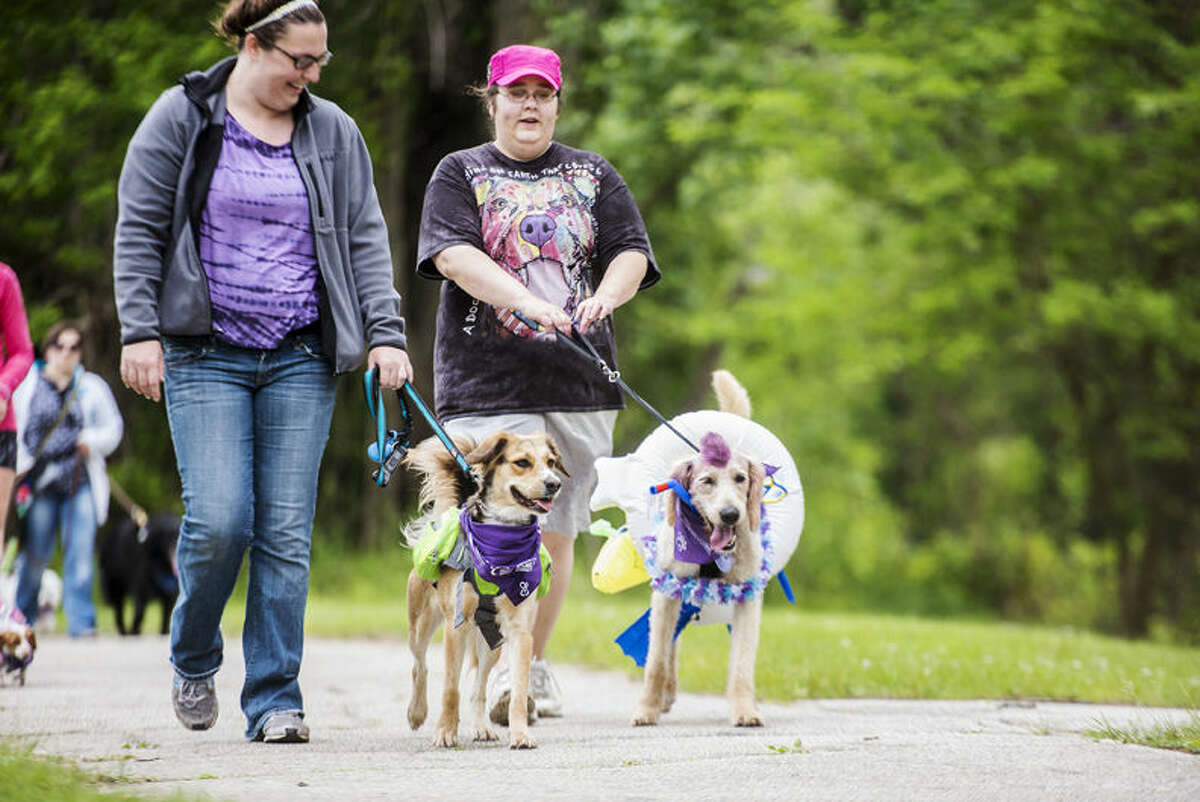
(635,640)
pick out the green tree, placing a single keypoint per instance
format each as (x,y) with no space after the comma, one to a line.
(945,243)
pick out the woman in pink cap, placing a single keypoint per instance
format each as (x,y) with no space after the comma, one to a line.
(528,224)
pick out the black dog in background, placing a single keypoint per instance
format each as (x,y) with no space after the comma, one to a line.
(139,563)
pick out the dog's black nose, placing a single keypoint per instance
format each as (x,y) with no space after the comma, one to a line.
(552,486)
(730,515)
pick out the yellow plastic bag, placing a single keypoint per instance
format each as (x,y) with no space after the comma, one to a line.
(618,565)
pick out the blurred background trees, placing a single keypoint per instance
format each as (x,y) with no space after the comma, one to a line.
(950,246)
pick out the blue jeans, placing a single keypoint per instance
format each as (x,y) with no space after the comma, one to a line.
(249,428)
(75,517)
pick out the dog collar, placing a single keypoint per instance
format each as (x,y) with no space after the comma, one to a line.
(699,590)
(506,556)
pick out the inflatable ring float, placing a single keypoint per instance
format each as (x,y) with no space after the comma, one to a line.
(625,482)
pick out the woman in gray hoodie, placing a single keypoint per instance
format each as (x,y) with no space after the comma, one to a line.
(251,266)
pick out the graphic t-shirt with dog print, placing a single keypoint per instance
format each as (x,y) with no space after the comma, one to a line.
(555,223)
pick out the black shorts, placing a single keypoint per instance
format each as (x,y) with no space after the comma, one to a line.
(8,450)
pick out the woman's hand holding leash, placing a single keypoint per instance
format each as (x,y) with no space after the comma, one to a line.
(394,367)
(548,315)
(620,283)
(592,309)
(142,368)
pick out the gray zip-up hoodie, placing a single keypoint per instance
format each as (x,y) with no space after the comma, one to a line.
(159,282)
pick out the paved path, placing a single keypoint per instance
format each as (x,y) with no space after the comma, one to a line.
(105,704)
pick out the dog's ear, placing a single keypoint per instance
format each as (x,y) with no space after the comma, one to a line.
(562,467)
(32,638)
(683,473)
(754,494)
(9,640)
(489,450)
(485,456)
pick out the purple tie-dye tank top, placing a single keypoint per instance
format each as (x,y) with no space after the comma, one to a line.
(256,243)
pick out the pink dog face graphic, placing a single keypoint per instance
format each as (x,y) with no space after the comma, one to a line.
(541,232)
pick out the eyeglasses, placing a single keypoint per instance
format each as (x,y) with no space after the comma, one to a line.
(69,347)
(540,96)
(304,62)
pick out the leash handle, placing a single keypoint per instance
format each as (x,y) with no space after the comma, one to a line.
(390,445)
(580,344)
(463,466)
(389,458)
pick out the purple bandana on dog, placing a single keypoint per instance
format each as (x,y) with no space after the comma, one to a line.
(506,556)
(691,539)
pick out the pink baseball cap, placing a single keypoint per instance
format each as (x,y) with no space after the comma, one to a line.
(512,63)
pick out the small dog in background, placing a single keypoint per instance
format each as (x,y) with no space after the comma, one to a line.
(518,478)
(138,563)
(718,536)
(18,642)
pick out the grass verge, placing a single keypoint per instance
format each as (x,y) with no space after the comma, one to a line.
(1179,737)
(34,777)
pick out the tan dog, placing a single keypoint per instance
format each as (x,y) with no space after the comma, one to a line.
(726,490)
(518,478)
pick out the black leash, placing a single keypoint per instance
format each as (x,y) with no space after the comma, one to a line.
(390,446)
(580,345)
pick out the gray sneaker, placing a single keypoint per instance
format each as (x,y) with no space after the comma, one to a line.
(543,687)
(195,702)
(499,690)
(284,728)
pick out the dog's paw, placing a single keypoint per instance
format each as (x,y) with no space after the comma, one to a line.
(520,740)
(484,733)
(645,718)
(417,711)
(446,738)
(750,718)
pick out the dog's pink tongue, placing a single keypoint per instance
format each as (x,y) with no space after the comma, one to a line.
(544,504)
(721,537)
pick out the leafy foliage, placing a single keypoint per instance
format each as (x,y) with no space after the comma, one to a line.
(943,243)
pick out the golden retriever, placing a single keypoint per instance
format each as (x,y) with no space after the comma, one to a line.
(726,492)
(518,477)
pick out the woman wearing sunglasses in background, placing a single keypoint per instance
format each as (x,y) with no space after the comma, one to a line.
(67,424)
(252,266)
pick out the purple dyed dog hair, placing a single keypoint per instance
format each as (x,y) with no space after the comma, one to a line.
(714,450)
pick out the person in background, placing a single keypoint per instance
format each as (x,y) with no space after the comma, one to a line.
(251,267)
(67,425)
(526,223)
(16,355)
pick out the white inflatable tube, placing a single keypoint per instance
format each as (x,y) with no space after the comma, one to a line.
(625,482)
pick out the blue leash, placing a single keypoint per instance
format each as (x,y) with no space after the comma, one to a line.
(390,446)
